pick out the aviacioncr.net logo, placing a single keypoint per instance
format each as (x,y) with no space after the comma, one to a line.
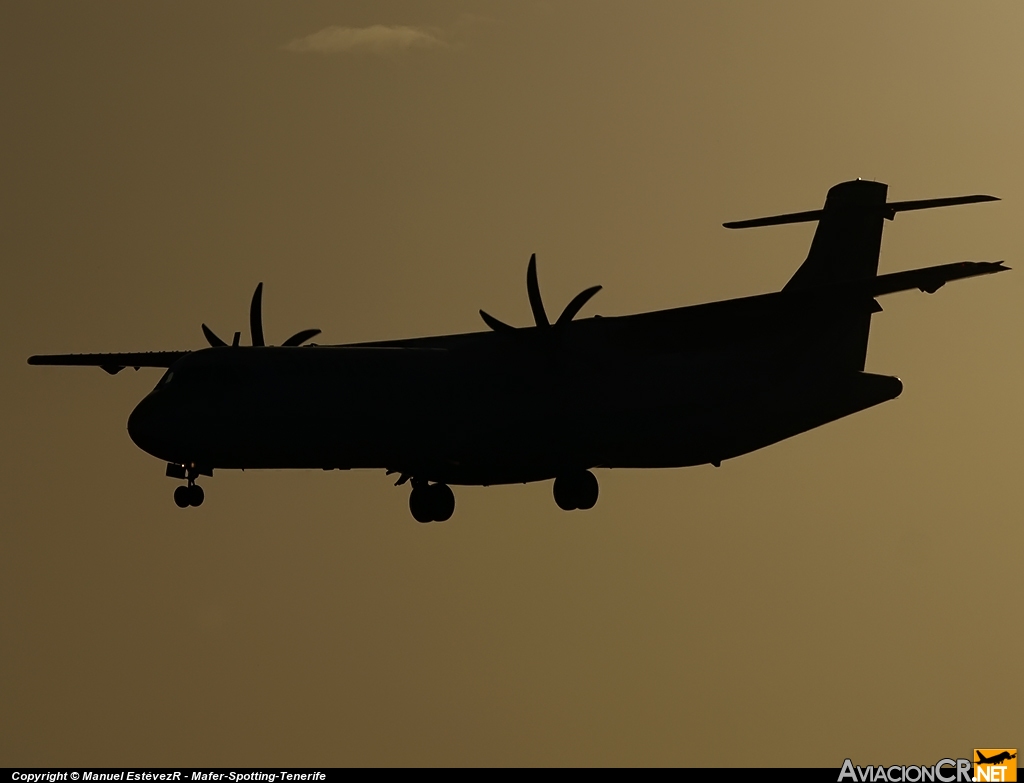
(942,771)
(995,765)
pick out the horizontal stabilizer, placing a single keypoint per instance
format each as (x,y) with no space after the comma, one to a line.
(928,279)
(931,279)
(887,210)
(777,220)
(931,203)
(113,363)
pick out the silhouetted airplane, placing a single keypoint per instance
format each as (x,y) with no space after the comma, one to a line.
(996,759)
(672,388)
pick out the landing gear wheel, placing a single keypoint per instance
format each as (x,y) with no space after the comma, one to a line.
(181,497)
(587,491)
(196,496)
(564,495)
(419,504)
(432,503)
(442,502)
(576,491)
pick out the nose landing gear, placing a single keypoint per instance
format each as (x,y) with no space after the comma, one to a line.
(191,494)
(431,502)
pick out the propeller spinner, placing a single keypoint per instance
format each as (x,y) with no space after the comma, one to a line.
(540,317)
(256,327)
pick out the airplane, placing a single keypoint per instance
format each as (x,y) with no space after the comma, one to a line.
(554,400)
(996,759)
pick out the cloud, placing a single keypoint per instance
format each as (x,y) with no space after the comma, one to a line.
(377,38)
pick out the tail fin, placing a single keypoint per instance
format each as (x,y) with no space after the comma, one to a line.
(848,239)
(849,235)
(845,249)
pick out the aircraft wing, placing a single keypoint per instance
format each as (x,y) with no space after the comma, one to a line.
(113,363)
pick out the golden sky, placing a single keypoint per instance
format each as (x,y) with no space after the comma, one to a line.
(386,168)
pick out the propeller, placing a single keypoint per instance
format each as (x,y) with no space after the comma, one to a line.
(540,317)
(256,327)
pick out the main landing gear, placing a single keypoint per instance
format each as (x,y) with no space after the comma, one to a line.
(576,490)
(431,502)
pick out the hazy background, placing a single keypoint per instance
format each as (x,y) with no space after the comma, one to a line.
(852,592)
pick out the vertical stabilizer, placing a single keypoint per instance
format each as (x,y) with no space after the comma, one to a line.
(848,238)
(845,249)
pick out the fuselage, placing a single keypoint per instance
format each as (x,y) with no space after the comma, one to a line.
(488,408)
(670,388)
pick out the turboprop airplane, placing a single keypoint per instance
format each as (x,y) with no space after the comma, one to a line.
(554,400)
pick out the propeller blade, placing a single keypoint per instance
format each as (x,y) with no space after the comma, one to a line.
(211,338)
(576,305)
(256,316)
(236,339)
(533,291)
(300,337)
(495,324)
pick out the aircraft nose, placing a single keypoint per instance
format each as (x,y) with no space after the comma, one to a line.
(146,428)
